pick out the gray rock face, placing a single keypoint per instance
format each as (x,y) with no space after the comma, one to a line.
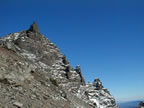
(35,74)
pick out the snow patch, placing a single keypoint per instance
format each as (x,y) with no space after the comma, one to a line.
(96,102)
(43,65)
(16,35)
(29,55)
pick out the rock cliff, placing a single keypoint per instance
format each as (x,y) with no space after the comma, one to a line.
(35,74)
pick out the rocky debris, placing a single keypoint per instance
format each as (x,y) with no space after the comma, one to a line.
(35,74)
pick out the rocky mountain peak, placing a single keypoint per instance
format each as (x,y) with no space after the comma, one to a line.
(34,28)
(98,84)
(35,74)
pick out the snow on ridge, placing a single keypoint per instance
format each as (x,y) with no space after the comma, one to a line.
(11,37)
(16,36)
(97,103)
(29,55)
(43,65)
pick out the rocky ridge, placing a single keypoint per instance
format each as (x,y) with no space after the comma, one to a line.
(35,74)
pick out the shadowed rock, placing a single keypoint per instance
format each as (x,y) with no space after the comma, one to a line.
(34,28)
(98,84)
(78,70)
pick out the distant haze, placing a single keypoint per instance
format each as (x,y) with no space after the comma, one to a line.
(130,104)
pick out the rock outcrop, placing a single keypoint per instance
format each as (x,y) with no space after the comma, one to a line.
(95,94)
(35,74)
(34,28)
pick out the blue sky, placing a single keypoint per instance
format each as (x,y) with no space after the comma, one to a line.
(106,37)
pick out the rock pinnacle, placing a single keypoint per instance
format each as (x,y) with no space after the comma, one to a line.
(34,28)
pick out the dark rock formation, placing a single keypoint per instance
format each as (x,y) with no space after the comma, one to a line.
(35,74)
(78,70)
(65,61)
(34,28)
(98,84)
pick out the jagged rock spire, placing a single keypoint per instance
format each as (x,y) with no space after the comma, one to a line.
(78,70)
(98,84)
(34,28)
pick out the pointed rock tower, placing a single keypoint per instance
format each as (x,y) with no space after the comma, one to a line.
(34,28)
